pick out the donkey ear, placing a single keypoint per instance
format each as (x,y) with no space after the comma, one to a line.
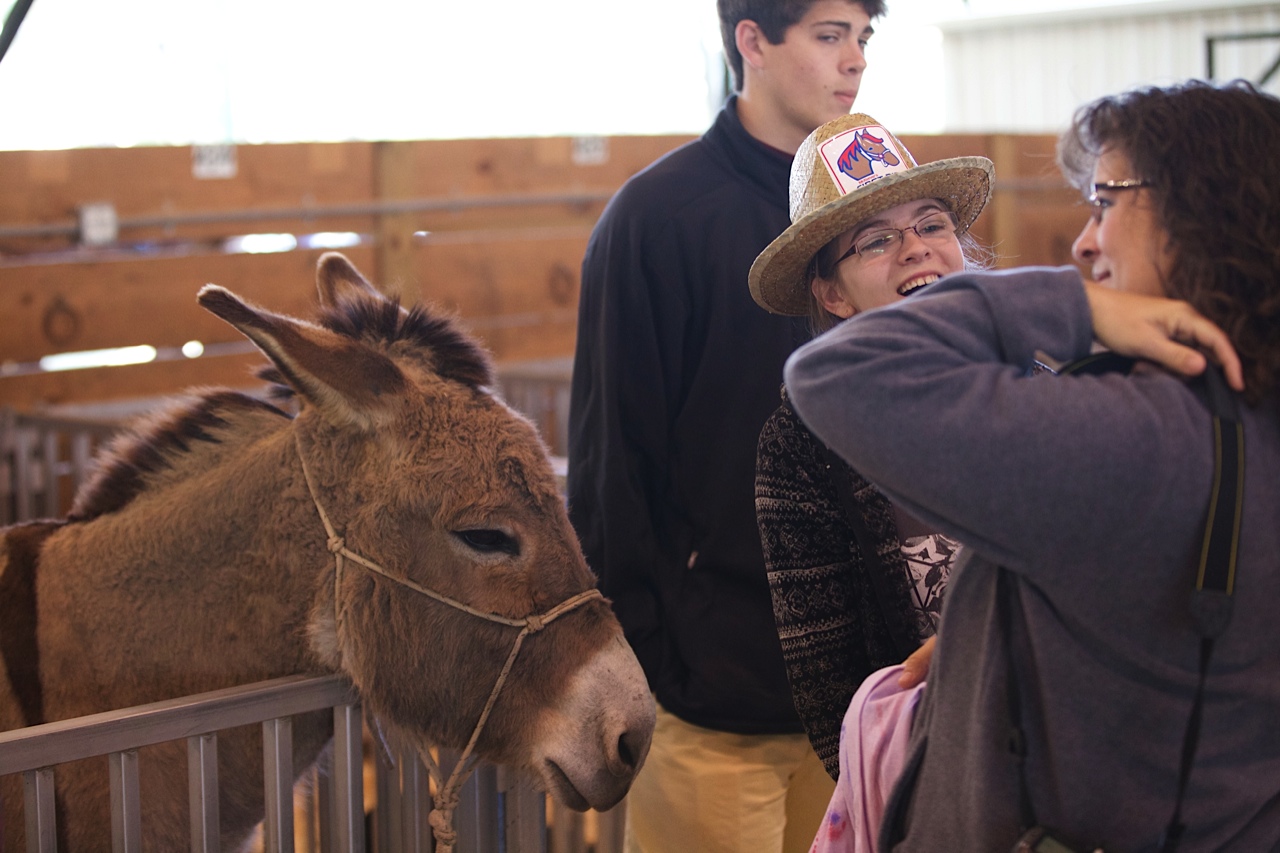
(338,280)
(351,384)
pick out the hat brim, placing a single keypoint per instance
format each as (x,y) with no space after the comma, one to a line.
(777,278)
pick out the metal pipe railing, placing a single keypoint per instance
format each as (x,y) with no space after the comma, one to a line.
(35,751)
(174,719)
(386,207)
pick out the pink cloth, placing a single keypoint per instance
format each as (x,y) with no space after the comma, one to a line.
(873,748)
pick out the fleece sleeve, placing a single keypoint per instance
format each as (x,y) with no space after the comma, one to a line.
(627,359)
(933,400)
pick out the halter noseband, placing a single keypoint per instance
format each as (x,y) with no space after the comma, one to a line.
(445,800)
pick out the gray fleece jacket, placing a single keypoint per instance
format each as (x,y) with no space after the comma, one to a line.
(1093,492)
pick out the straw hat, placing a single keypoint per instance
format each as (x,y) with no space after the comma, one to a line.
(846,171)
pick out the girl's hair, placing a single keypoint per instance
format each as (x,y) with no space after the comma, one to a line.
(1209,153)
(822,265)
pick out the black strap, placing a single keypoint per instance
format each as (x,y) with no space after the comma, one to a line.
(1005,590)
(1098,364)
(1210,600)
(1215,576)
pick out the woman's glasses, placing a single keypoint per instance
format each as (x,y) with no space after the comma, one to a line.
(937,227)
(1097,204)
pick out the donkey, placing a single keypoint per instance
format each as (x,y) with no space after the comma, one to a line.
(209,551)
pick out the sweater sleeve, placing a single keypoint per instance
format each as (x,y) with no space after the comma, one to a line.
(950,423)
(834,592)
(815,579)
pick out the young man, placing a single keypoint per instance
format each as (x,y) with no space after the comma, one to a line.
(676,371)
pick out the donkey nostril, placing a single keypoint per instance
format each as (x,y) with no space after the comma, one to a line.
(627,752)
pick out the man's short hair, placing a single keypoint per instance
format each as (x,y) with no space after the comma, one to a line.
(774,17)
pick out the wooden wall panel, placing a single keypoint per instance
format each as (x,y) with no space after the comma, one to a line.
(1034,210)
(486,168)
(131,382)
(1046,228)
(466,167)
(517,290)
(50,308)
(47,187)
(927,148)
(508,269)
(1033,216)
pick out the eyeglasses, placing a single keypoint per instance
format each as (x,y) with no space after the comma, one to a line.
(935,228)
(1098,204)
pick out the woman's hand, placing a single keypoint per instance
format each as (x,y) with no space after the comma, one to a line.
(916,667)
(1167,331)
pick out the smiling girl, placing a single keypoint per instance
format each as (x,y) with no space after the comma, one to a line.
(857,583)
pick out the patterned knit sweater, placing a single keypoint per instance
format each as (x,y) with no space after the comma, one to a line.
(843,610)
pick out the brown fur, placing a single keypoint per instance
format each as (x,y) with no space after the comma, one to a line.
(148,447)
(196,560)
(19,652)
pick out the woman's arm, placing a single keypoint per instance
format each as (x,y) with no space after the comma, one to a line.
(931,399)
(1169,332)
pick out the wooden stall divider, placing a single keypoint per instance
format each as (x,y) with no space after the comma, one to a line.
(493,230)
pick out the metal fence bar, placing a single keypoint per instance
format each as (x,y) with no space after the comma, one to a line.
(277,769)
(202,792)
(498,812)
(524,813)
(388,816)
(477,818)
(568,832)
(81,457)
(52,494)
(31,462)
(126,814)
(42,836)
(348,780)
(324,799)
(415,802)
(24,476)
(174,719)
(8,420)
(612,829)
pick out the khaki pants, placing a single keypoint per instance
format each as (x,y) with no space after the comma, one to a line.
(704,791)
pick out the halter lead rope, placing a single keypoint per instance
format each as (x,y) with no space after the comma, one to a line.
(445,799)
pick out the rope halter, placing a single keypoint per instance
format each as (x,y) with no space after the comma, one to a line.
(445,799)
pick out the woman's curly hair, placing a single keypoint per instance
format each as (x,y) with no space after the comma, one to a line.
(1209,153)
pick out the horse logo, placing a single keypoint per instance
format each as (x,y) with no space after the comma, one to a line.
(859,159)
(860,155)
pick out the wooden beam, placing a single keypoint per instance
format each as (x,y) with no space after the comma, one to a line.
(52,308)
(393,179)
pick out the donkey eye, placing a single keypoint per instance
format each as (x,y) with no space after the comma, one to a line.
(488,541)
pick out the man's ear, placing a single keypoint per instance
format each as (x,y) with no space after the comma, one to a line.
(830,298)
(751,41)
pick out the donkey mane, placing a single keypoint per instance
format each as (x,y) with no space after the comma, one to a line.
(151,446)
(380,320)
(453,355)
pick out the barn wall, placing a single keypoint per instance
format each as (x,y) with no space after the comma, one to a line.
(493,230)
(1028,73)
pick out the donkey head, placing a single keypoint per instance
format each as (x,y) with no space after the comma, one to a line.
(427,475)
